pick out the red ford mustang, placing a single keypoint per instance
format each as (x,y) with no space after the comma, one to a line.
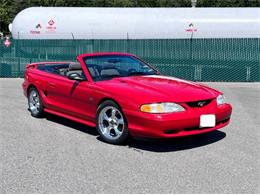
(122,95)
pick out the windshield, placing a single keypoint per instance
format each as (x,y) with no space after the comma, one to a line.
(107,67)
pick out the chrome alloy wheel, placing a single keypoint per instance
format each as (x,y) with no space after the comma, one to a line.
(34,102)
(111,122)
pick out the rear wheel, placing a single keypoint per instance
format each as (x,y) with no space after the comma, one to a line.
(111,123)
(35,103)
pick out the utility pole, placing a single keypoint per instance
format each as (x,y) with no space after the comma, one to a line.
(193,3)
(1,34)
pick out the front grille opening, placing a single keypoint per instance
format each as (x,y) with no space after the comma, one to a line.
(224,121)
(195,127)
(201,128)
(171,131)
(199,104)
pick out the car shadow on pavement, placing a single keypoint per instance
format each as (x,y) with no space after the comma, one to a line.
(176,144)
(71,124)
(153,145)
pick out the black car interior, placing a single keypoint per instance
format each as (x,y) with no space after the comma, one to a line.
(97,72)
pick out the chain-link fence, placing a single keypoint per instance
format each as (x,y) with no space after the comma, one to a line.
(192,59)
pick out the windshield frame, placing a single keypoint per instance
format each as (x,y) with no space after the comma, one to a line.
(84,59)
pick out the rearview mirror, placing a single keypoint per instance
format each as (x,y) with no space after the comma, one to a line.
(76,77)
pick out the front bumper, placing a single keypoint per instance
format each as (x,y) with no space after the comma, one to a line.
(176,124)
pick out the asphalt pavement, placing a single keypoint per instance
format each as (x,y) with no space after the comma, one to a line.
(55,155)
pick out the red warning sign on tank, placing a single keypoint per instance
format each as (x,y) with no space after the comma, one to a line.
(191,28)
(51,27)
(51,22)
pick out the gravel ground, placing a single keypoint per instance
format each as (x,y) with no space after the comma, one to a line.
(55,155)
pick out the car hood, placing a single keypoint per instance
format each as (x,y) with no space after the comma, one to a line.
(157,88)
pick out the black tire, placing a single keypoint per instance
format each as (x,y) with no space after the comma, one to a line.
(35,104)
(111,137)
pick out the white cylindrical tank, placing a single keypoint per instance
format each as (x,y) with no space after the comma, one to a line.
(136,23)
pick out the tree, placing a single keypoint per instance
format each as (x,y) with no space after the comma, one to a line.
(228,3)
(5,19)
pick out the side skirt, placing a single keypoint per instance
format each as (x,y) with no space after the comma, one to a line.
(88,123)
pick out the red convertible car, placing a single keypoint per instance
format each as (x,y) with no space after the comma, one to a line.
(122,95)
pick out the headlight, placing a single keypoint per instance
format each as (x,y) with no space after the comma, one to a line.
(157,108)
(221,100)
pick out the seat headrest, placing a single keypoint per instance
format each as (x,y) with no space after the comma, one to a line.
(75,66)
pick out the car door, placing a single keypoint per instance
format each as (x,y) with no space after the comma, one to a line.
(70,97)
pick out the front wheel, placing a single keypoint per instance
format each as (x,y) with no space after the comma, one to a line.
(111,123)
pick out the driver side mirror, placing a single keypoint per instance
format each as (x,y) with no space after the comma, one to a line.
(76,77)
